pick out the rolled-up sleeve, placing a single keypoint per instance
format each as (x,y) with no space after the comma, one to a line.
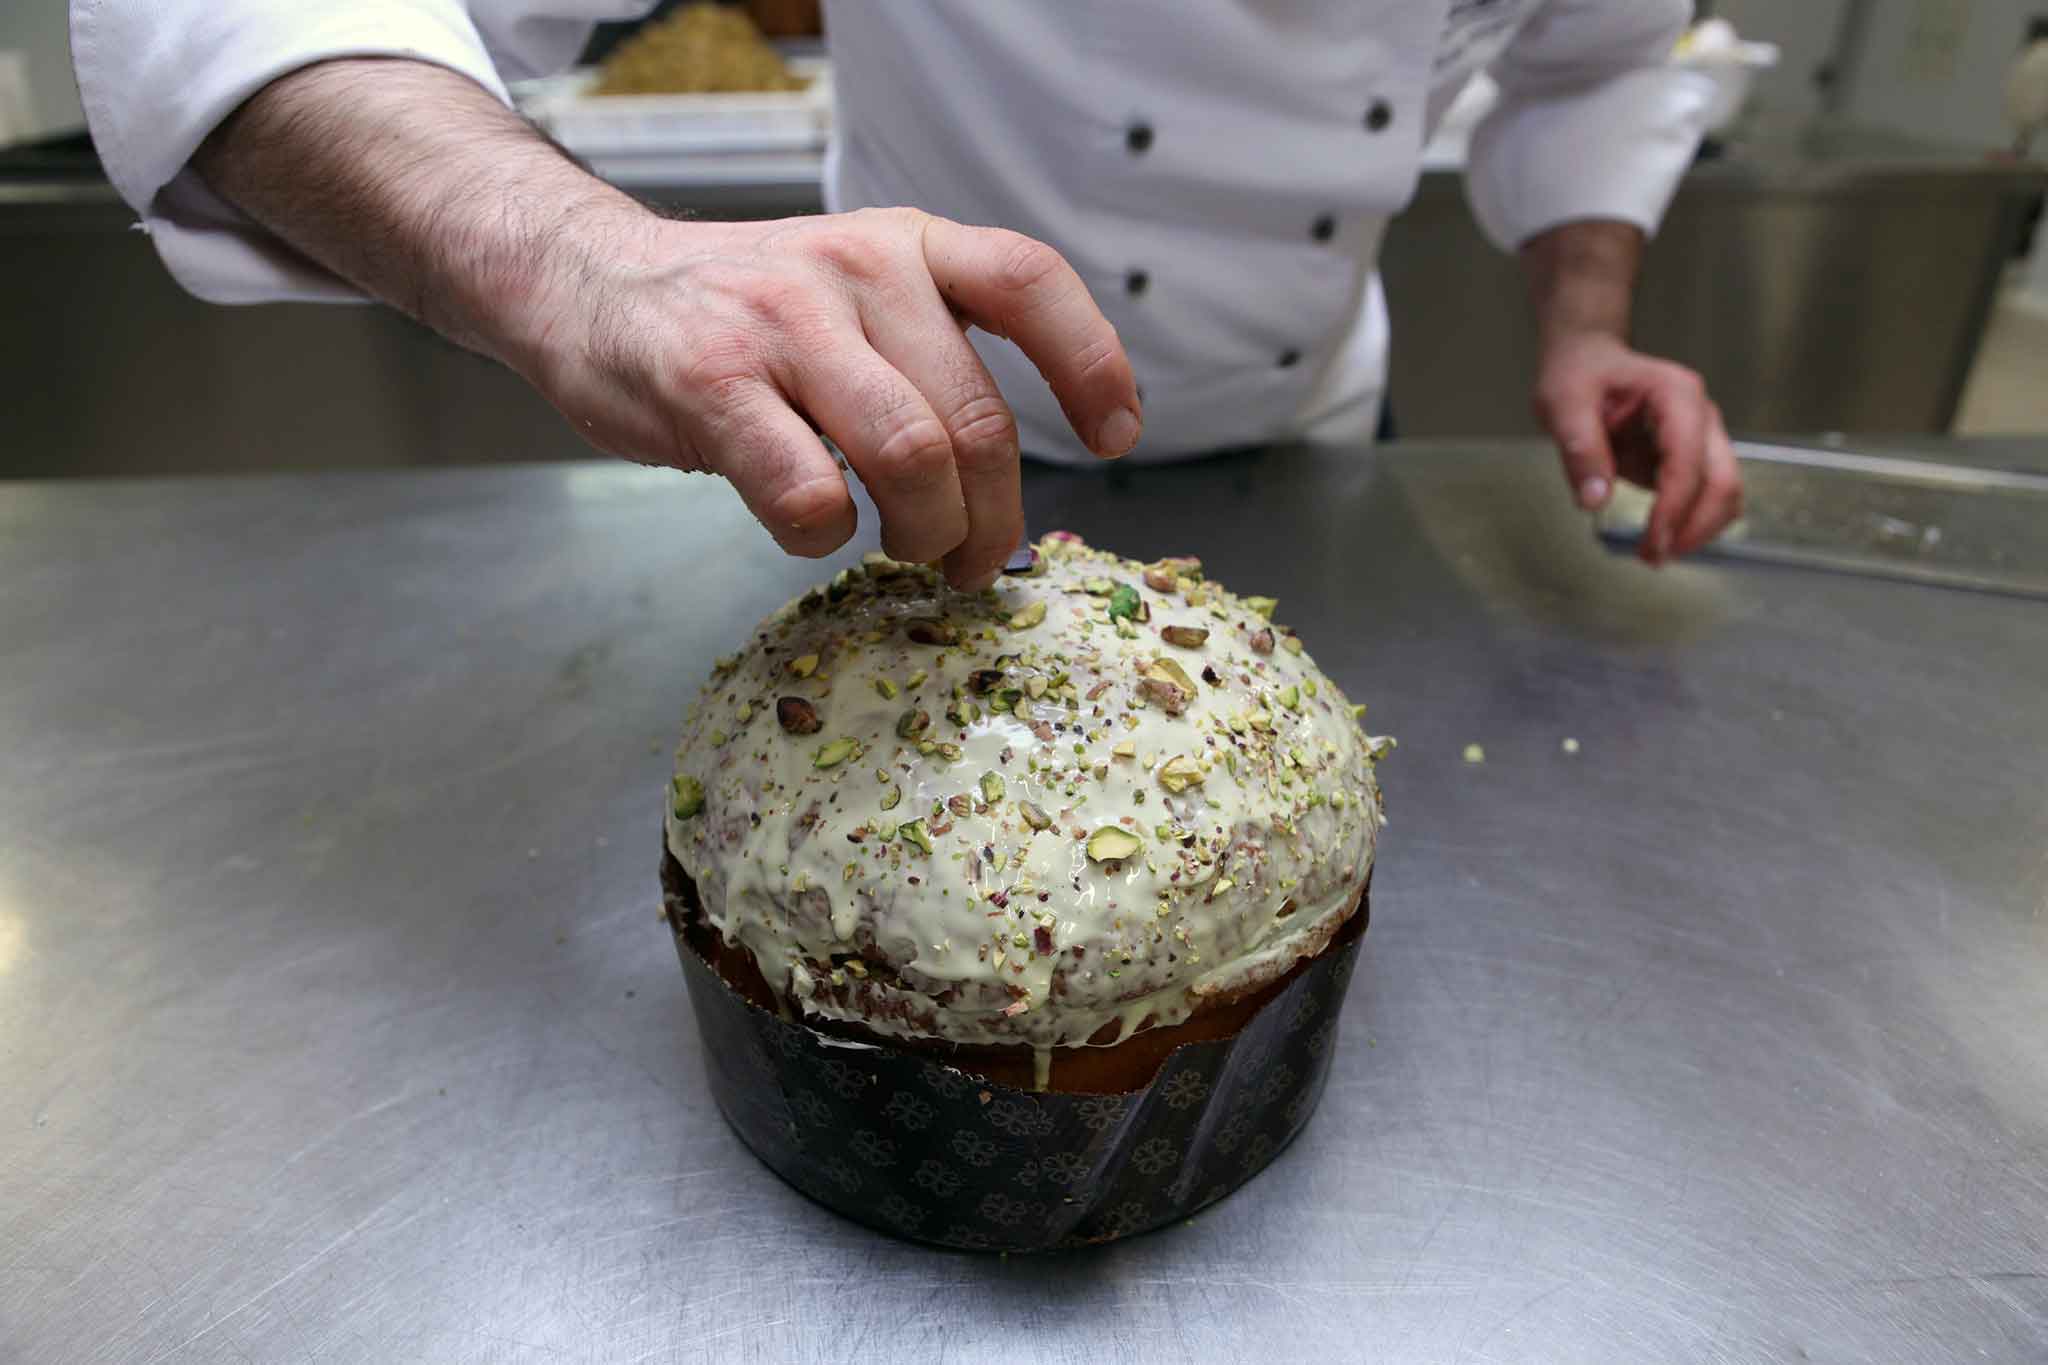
(1592,122)
(156,76)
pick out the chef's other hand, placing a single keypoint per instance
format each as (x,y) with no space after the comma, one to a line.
(1613,410)
(727,347)
(722,346)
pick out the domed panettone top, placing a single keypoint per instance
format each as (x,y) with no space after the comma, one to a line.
(1079,804)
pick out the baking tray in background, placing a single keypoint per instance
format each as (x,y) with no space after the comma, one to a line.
(1953,525)
(664,125)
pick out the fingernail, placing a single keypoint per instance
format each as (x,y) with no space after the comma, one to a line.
(1118,432)
(1593,493)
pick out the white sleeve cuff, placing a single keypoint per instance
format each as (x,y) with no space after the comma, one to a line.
(156,78)
(1615,151)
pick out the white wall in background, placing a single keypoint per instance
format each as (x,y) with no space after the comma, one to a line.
(37,29)
(1804,31)
(1936,68)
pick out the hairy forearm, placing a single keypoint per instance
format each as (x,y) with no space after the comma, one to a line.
(417,186)
(1580,278)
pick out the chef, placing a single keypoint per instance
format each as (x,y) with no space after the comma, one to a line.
(1039,211)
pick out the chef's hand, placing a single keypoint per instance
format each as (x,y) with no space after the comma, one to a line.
(1613,410)
(709,346)
(721,347)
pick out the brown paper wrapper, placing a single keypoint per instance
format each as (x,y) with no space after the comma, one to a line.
(917,1147)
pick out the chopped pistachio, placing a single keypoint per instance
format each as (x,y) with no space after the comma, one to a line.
(916,679)
(1097,587)
(804,665)
(1034,815)
(724,664)
(1031,614)
(913,723)
(1290,697)
(1179,773)
(1221,885)
(982,681)
(1035,687)
(689,796)
(849,872)
(796,716)
(949,752)
(890,796)
(886,688)
(913,832)
(1161,579)
(1112,842)
(926,631)
(991,787)
(1262,605)
(1291,643)
(746,712)
(1124,748)
(1124,602)
(1262,642)
(835,753)
(1308,686)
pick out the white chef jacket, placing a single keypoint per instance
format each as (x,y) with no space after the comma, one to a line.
(1219,171)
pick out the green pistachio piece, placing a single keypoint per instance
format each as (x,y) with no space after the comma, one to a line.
(835,753)
(913,832)
(1187,637)
(886,688)
(1179,773)
(1124,602)
(916,679)
(1111,843)
(1029,615)
(913,723)
(1262,605)
(890,796)
(804,665)
(689,796)
(991,788)
(1034,815)
(1290,697)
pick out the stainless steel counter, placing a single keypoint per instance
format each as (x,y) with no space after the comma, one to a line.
(336,1025)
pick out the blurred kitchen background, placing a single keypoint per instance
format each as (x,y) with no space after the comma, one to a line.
(1855,251)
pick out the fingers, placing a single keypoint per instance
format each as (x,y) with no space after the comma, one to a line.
(1720,497)
(783,472)
(918,335)
(1679,412)
(1572,411)
(1024,290)
(891,437)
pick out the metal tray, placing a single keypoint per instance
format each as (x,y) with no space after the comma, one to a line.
(1952,525)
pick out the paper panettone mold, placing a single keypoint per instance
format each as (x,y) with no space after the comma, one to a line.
(918,1148)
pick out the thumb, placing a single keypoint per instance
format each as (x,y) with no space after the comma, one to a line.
(1573,418)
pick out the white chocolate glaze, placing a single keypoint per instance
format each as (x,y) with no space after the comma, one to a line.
(1132,792)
